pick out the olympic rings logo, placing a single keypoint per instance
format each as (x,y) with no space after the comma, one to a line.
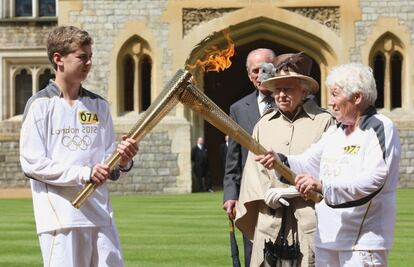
(76,142)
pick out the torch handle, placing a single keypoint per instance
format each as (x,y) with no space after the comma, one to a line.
(84,194)
(90,187)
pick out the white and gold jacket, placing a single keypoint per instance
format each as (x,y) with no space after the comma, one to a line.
(59,145)
(359,174)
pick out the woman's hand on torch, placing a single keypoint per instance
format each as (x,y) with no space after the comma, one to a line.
(305,183)
(128,148)
(267,159)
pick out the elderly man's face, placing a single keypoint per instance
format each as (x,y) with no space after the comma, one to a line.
(254,63)
(289,95)
(344,108)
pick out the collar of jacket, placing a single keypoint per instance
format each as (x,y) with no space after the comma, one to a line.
(368,113)
(55,89)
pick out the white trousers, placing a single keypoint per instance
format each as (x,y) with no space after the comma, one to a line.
(349,258)
(81,247)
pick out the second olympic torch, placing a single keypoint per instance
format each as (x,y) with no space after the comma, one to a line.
(181,89)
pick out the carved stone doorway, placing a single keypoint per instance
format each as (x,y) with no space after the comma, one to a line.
(227,87)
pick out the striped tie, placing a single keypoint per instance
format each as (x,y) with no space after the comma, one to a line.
(270,103)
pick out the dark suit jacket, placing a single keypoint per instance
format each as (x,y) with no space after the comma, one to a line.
(246,113)
(223,154)
(199,161)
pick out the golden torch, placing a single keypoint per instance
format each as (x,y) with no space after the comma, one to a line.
(181,89)
(200,103)
(157,110)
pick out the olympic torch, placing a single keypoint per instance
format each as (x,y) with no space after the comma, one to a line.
(163,104)
(181,89)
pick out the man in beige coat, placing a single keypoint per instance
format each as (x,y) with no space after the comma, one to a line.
(297,123)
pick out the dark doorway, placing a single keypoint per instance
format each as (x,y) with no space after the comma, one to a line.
(225,88)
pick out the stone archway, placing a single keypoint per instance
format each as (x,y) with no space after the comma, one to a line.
(226,87)
(274,26)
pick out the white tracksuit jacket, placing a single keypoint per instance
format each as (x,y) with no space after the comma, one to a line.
(59,145)
(352,168)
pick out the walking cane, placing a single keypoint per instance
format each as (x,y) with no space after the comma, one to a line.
(233,244)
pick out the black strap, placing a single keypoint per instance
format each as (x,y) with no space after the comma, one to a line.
(355,203)
(281,234)
(282,231)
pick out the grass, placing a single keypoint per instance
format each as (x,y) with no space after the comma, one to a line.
(179,230)
(182,230)
(402,253)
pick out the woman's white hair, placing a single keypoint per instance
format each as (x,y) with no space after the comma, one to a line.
(352,78)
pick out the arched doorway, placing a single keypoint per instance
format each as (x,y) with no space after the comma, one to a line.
(227,87)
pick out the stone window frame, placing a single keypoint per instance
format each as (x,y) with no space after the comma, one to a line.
(138,49)
(7,11)
(12,66)
(387,46)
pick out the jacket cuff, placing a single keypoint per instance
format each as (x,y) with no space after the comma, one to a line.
(85,175)
(128,167)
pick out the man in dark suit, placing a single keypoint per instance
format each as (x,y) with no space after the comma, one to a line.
(246,112)
(199,162)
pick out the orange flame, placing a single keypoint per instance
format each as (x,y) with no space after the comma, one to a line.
(216,59)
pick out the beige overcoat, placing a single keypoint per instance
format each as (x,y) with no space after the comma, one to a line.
(253,217)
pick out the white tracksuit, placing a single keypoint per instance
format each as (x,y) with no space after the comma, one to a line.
(351,168)
(59,145)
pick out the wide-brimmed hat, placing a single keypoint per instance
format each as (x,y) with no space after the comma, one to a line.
(291,66)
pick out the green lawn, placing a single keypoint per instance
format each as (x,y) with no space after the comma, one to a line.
(180,230)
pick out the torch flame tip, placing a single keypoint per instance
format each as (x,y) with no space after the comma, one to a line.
(216,60)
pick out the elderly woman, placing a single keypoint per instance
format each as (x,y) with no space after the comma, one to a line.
(355,166)
(292,127)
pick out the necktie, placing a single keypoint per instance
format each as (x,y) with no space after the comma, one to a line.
(270,103)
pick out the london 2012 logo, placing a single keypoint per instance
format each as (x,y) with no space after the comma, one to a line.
(76,142)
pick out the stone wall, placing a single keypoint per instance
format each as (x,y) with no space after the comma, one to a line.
(24,34)
(371,11)
(105,19)
(155,169)
(11,175)
(406,131)
(407,158)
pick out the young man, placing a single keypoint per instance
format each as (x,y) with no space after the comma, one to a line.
(67,134)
